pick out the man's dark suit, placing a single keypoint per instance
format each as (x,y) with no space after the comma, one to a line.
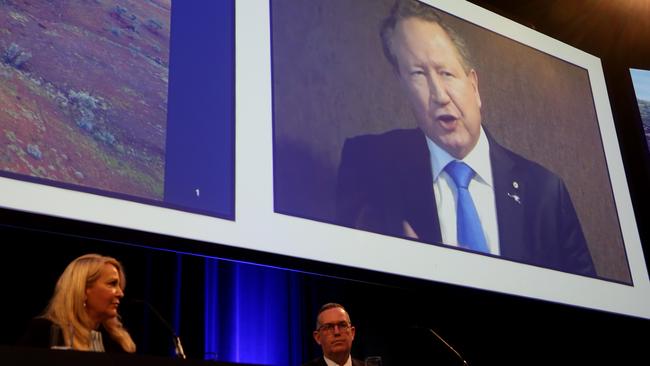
(385,180)
(320,361)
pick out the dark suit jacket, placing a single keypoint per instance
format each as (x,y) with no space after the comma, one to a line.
(386,179)
(320,361)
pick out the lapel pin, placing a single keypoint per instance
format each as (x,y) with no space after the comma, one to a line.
(515,184)
(515,197)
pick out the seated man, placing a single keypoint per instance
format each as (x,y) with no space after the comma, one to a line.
(334,333)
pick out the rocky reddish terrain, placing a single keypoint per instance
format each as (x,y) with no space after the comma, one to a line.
(83,92)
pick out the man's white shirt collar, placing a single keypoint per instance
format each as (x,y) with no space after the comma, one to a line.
(332,363)
(478,159)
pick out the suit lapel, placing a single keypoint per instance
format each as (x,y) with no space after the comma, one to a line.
(509,191)
(420,209)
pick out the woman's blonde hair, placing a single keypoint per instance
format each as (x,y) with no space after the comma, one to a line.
(66,307)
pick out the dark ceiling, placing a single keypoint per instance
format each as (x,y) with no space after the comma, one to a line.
(615,30)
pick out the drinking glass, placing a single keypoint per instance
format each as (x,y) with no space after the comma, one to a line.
(373,361)
(57,338)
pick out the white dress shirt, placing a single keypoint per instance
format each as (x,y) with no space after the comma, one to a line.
(332,363)
(481,188)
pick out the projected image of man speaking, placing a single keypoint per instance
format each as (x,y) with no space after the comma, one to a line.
(448,180)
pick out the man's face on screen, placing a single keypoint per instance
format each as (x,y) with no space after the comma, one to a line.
(443,95)
(335,333)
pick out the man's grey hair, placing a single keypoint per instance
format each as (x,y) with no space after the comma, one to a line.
(404,9)
(330,305)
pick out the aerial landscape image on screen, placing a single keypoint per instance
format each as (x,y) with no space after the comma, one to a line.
(83,93)
(641,81)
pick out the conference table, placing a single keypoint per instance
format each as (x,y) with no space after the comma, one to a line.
(10,356)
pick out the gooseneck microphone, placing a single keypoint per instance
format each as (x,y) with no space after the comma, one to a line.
(448,346)
(178,347)
(438,337)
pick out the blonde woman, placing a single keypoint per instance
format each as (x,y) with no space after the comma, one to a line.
(82,313)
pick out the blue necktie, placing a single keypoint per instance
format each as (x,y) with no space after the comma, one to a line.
(468,226)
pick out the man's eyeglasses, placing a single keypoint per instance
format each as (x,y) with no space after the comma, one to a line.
(329,327)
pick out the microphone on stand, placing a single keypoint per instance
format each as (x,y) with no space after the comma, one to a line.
(442,340)
(448,346)
(178,347)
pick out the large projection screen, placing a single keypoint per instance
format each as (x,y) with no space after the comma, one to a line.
(641,83)
(111,98)
(356,92)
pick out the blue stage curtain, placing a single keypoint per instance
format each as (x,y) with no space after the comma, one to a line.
(252,314)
